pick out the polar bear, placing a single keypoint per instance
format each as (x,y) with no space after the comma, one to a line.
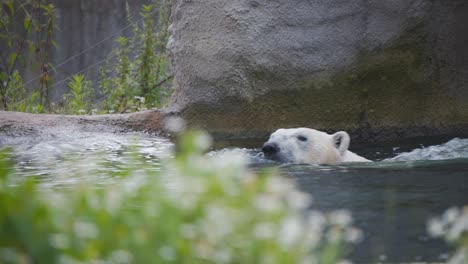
(306,145)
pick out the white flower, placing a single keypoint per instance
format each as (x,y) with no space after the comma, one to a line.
(231,160)
(309,260)
(267,258)
(298,200)
(277,184)
(112,200)
(340,217)
(175,124)
(203,141)
(59,241)
(353,235)
(167,253)
(222,256)
(140,99)
(457,229)
(451,215)
(217,223)
(316,221)
(267,202)
(121,257)
(264,230)
(460,257)
(85,230)
(334,235)
(290,231)
(188,231)
(9,255)
(436,227)
(64,259)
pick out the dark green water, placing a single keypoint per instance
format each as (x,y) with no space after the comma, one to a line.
(390,200)
(391,203)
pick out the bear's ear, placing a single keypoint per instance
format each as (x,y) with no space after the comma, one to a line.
(341,140)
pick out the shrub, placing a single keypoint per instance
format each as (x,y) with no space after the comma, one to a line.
(139,63)
(78,101)
(198,209)
(26,33)
(453,227)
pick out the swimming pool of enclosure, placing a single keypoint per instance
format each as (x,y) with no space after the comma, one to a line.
(390,199)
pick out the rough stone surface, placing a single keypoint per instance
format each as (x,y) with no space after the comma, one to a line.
(379,69)
(26,124)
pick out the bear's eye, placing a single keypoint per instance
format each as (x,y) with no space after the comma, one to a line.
(301,138)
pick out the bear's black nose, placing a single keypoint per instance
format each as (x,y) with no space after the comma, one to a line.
(270,148)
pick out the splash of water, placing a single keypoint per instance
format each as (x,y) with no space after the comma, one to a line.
(454,149)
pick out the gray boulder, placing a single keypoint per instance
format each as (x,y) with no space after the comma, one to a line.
(378,69)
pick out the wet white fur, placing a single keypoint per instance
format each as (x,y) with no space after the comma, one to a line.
(319,148)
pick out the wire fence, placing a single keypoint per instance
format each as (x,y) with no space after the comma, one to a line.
(80,53)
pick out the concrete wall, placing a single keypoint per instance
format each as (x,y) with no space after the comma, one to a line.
(81,24)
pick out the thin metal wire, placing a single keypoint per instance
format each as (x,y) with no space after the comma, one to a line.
(68,77)
(114,34)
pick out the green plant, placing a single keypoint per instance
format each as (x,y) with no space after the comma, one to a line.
(121,87)
(453,227)
(198,209)
(22,47)
(80,96)
(134,78)
(141,64)
(16,93)
(19,98)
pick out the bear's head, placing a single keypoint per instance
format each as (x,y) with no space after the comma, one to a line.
(305,145)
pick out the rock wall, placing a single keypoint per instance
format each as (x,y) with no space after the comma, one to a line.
(379,69)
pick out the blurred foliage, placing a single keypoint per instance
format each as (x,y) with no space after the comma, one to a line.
(453,227)
(197,209)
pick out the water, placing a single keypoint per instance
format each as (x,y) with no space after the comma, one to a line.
(52,157)
(391,203)
(391,199)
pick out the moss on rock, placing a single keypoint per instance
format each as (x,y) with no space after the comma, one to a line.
(385,92)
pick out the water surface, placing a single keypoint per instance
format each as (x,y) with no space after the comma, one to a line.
(390,200)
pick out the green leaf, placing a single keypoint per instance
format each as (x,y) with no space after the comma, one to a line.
(32,47)
(27,24)
(11,7)
(2,77)
(45,7)
(12,60)
(22,60)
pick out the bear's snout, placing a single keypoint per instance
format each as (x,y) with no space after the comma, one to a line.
(270,149)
